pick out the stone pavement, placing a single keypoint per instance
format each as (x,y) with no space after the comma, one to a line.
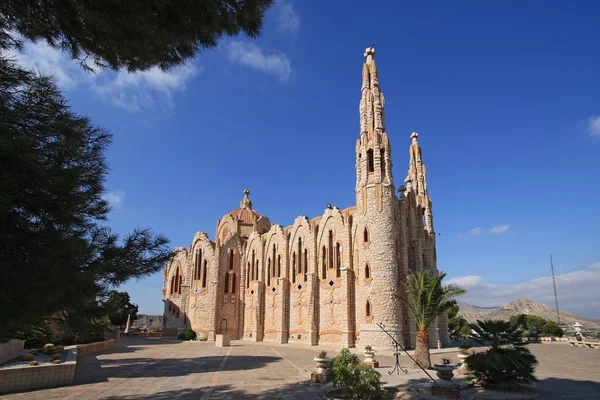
(151,368)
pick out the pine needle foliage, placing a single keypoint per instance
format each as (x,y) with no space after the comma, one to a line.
(135,35)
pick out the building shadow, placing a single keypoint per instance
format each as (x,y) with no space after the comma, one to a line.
(568,389)
(92,370)
(301,390)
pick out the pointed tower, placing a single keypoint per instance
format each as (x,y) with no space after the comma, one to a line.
(416,187)
(374,224)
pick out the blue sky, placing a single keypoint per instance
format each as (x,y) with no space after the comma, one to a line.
(504,95)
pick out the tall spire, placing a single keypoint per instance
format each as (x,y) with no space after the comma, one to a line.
(372,117)
(373,150)
(416,181)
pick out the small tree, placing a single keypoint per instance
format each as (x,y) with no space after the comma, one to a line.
(508,361)
(426,299)
(362,381)
(457,325)
(118,307)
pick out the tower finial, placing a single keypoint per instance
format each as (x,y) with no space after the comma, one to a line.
(246,202)
(369,51)
(414,136)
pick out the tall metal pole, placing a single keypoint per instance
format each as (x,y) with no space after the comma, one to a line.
(554,283)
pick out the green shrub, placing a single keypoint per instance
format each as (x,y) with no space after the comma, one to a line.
(49,350)
(27,357)
(181,336)
(56,357)
(361,380)
(59,349)
(189,334)
(34,336)
(508,361)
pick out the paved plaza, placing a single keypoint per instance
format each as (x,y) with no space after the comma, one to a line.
(152,368)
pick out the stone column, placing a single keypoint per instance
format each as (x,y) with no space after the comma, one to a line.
(347,328)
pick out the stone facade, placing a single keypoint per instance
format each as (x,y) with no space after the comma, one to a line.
(329,279)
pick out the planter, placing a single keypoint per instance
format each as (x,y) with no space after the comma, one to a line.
(370,359)
(444,372)
(321,373)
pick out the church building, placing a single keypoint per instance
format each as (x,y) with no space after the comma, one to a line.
(329,279)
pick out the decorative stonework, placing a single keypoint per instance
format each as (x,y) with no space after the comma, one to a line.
(307,282)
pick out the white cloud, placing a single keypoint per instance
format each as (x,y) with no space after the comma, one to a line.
(132,91)
(249,55)
(115,199)
(142,89)
(594,126)
(466,281)
(500,229)
(287,17)
(40,57)
(577,291)
(460,236)
(475,231)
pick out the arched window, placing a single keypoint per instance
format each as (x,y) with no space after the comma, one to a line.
(230,259)
(233,283)
(274,261)
(366,235)
(204,272)
(324,263)
(248,276)
(299,255)
(368,309)
(305,265)
(198,265)
(279,266)
(269,271)
(367,272)
(382,161)
(253,278)
(294,267)
(338,260)
(226,283)
(172,285)
(370,162)
(256,276)
(330,249)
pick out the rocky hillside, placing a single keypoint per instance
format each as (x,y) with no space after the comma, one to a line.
(144,321)
(525,306)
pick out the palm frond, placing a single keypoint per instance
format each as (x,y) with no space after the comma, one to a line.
(425,297)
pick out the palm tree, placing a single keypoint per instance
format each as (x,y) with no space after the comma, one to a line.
(507,361)
(426,299)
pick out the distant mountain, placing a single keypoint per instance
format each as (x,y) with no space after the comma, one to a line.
(466,307)
(524,306)
(144,321)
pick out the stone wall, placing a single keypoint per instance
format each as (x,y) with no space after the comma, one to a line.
(11,349)
(39,376)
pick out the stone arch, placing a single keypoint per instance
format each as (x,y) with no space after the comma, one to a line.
(229,289)
(301,238)
(275,245)
(333,242)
